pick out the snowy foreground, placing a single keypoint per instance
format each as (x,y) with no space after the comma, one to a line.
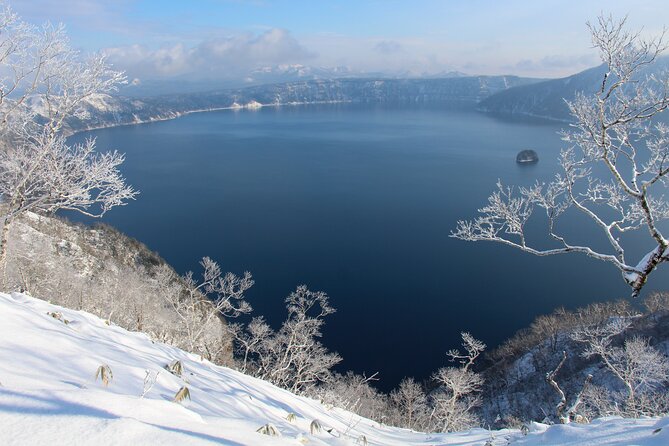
(49,396)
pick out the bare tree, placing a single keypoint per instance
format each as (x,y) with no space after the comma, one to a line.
(297,360)
(355,393)
(637,365)
(657,302)
(614,128)
(248,340)
(411,402)
(216,295)
(292,357)
(566,414)
(453,403)
(43,82)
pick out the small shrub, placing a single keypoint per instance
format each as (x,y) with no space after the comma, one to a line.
(58,316)
(149,381)
(315,427)
(176,368)
(105,374)
(362,440)
(269,429)
(182,394)
(291,417)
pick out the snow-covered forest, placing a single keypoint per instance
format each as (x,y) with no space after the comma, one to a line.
(101,341)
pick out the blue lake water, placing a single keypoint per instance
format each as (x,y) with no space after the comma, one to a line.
(359,202)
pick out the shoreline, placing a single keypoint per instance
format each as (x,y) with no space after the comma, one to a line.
(253,106)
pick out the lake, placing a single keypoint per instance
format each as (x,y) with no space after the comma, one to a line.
(359,201)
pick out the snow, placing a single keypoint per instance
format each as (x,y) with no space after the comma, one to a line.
(605,431)
(253,105)
(631,277)
(49,396)
(103,102)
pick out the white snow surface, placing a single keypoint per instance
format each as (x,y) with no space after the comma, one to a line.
(49,396)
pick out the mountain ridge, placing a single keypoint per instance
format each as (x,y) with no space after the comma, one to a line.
(106,111)
(548,99)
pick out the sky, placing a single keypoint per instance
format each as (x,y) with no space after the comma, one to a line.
(208,39)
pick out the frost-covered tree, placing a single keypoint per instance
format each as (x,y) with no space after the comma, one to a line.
(453,403)
(355,393)
(563,412)
(248,340)
(411,403)
(291,357)
(639,367)
(43,82)
(203,301)
(614,131)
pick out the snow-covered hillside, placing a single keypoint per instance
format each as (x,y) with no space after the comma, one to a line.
(107,111)
(49,396)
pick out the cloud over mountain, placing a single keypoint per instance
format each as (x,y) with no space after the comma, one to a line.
(388,47)
(222,57)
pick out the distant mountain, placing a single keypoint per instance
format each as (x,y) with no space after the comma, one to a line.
(547,99)
(297,72)
(441,74)
(544,99)
(275,74)
(105,111)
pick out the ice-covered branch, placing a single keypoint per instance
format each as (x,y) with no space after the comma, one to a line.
(43,82)
(613,128)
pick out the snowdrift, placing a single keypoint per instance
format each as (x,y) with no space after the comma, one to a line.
(49,395)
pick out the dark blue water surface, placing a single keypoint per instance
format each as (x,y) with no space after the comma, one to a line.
(358,202)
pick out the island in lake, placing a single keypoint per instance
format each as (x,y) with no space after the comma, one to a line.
(527,157)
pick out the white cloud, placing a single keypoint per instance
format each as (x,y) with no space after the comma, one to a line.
(549,65)
(481,37)
(225,57)
(388,47)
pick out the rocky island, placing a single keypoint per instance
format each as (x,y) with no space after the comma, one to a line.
(527,157)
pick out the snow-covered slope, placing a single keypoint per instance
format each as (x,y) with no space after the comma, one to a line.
(108,111)
(547,99)
(49,396)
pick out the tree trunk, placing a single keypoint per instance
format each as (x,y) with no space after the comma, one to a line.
(4,236)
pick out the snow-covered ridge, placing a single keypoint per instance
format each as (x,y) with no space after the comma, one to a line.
(546,99)
(49,356)
(108,111)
